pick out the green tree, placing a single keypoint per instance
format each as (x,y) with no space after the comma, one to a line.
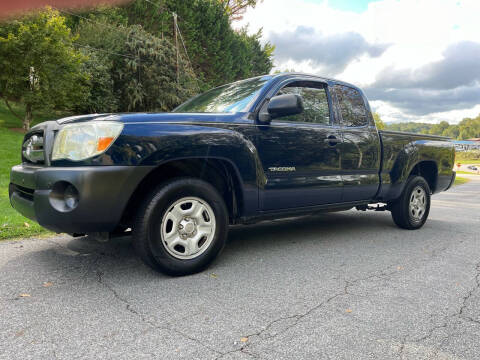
(101,97)
(261,56)
(414,127)
(438,129)
(132,70)
(103,42)
(44,69)
(148,80)
(378,121)
(218,53)
(452,131)
(469,128)
(235,9)
(466,129)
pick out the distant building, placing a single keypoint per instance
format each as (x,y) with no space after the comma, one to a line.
(465,145)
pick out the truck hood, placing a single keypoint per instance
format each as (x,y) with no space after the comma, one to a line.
(155,117)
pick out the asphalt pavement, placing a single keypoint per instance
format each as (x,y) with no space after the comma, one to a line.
(345,285)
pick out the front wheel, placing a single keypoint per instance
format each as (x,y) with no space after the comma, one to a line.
(181,227)
(410,211)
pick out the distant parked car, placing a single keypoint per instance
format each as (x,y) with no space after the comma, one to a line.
(471,167)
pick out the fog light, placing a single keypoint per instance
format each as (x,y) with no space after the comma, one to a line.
(71,197)
(64,196)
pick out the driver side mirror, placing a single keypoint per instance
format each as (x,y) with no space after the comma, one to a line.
(282,105)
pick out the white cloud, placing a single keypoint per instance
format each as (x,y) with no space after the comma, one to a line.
(392,114)
(329,53)
(417,31)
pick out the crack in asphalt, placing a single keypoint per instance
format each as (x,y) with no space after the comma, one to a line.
(243,350)
(120,298)
(469,295)
(459,313)
(382,274)
(288,322)
(401,348)
(133,311)
(430,332)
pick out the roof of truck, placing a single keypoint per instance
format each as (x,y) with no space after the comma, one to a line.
(285,74)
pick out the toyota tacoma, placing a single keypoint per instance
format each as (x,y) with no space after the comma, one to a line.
(263,148)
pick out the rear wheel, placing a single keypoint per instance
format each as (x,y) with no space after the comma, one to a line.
(410,211)
(181,227)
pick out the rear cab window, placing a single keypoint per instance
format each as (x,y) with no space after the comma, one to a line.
(352,107)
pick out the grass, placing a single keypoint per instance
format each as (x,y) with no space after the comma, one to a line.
(467,162)
(12,224)
(466,173)
(460,181)
(8,120)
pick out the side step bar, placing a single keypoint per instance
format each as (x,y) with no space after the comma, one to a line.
(379,207)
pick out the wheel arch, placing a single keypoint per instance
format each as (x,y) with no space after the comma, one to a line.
(221,173)
(428,169)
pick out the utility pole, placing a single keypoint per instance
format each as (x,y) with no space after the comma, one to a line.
(175,27)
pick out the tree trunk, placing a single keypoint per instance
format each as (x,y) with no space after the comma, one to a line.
(28,117)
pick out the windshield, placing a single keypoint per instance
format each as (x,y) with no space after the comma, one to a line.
(229,98)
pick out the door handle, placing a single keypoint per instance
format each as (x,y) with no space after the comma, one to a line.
(332,140)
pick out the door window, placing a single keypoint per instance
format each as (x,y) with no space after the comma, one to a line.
(315,103)
(352,106)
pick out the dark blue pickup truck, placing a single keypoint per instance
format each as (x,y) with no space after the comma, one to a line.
(263,148)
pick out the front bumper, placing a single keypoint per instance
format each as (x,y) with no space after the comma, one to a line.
(103,194)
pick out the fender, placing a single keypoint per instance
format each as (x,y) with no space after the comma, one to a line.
(154,145)
(419,148)
(441,153)
(398,154)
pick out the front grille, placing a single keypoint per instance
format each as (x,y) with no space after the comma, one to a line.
(32,148)
(23,192)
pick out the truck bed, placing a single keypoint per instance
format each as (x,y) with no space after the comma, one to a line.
(414,135)
(401,151)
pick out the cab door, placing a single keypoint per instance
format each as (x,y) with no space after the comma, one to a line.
(300,154)
(361,148)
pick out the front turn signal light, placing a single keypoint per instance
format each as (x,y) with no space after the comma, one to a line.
(104,143)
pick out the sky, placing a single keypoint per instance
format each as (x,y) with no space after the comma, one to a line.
(416,60)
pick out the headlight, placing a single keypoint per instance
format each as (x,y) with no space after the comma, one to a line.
(82,141)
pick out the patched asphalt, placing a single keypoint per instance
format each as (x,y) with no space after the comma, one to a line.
(345,285)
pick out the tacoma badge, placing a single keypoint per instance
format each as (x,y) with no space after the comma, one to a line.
(282,168)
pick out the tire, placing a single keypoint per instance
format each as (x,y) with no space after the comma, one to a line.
(181,227)
(417,194)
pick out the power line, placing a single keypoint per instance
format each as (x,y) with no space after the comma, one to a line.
(183,43)
(176,41)
(102,50)
(113,26)
(96,49)
(116,28)
(177,30)
(164,12)
(105,26)
(106,51)
(186,52)
(158,6)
